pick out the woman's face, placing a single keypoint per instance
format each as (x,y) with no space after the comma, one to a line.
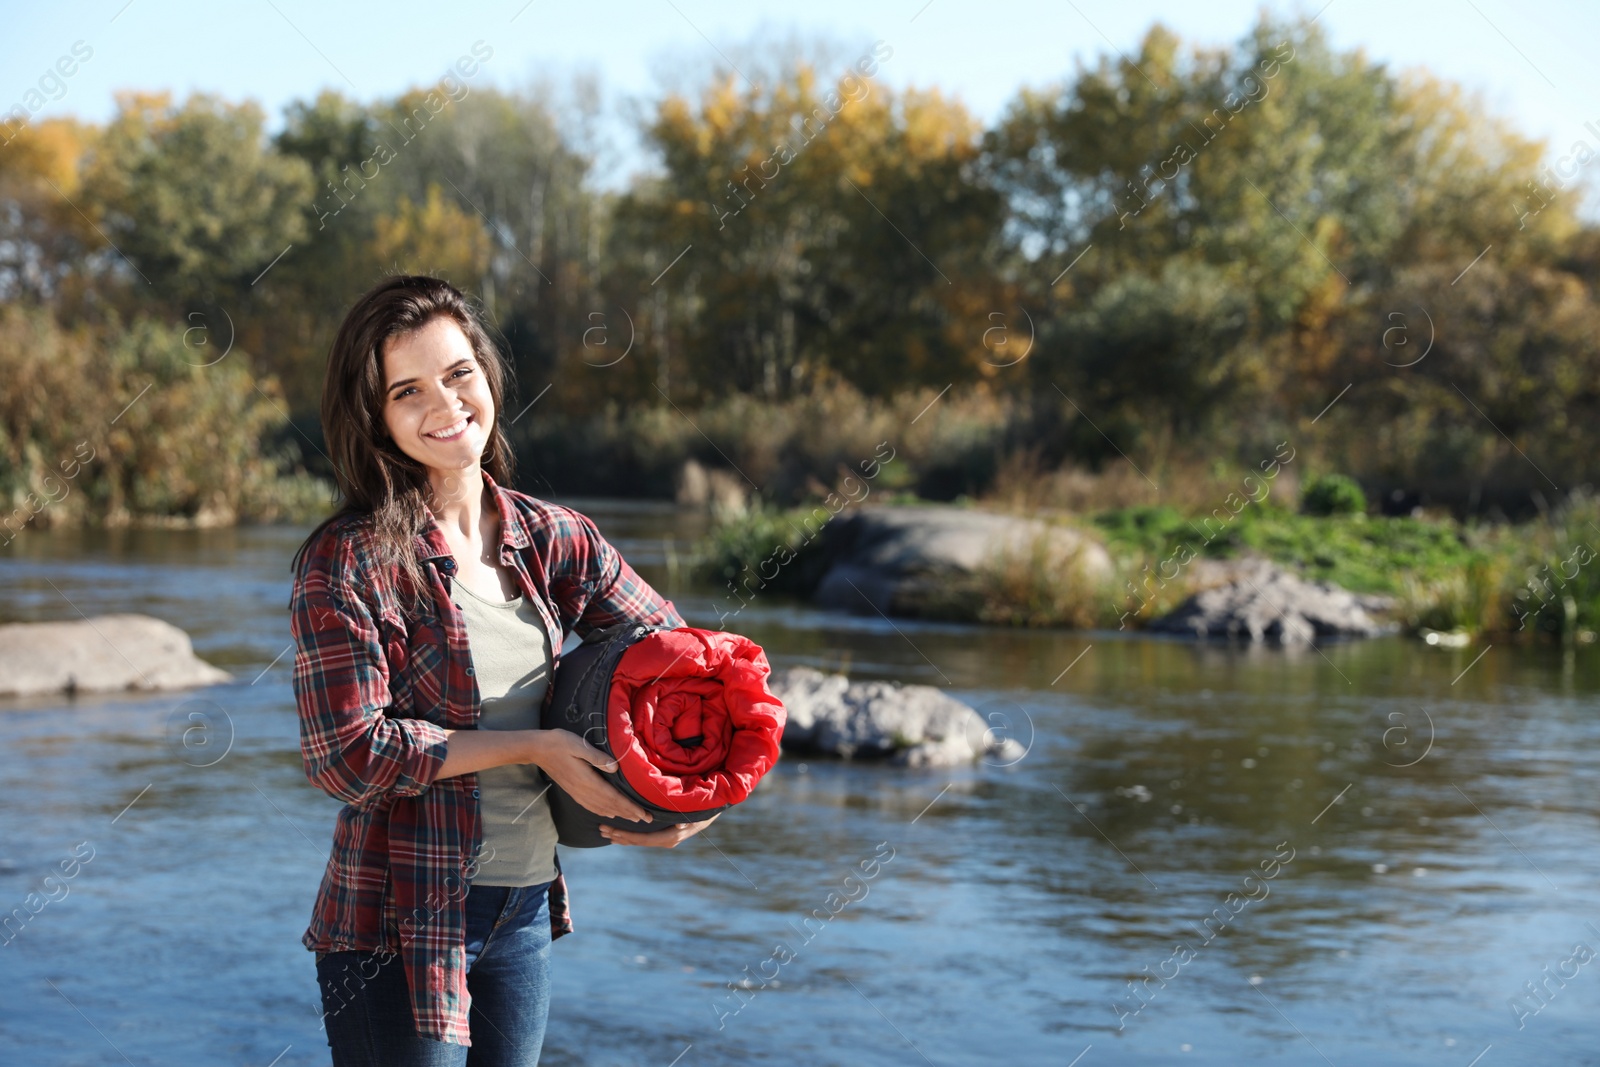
(436,404)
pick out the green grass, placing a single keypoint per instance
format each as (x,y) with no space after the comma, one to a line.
(1362,553)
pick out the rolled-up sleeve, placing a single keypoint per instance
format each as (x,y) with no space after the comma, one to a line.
(354,749)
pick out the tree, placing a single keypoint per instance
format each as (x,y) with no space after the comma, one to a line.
(434,237)
(1247,219)
(44,241)
(194,197)
(836,230)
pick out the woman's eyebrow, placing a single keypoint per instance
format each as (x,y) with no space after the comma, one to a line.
(407,381)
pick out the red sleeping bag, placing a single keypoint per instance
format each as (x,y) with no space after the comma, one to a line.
(690,719)
(686,712)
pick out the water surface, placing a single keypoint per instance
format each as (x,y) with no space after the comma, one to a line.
(1438,806)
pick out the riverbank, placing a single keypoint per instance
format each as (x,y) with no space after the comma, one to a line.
(1475,578)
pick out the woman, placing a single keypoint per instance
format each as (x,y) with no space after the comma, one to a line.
(427,614)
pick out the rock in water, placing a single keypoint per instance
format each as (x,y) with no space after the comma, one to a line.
(1264,602)
(102,654)
(911,725)
(904,560)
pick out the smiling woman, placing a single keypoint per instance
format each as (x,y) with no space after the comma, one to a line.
(428,613)
(421,392)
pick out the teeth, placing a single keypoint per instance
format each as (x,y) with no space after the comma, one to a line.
(449,431)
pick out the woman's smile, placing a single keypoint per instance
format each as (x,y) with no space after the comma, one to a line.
(451,432)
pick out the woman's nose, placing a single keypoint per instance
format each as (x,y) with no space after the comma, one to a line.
(443,398)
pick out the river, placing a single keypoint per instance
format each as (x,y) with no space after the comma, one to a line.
(1356,854)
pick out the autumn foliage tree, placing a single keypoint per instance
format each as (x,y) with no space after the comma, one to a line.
(1179,254)
(833,228)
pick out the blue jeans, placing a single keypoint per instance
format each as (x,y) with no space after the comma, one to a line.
(369,1021)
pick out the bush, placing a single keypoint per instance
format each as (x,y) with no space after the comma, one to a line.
(753,551)
(128,424)
(1555,587)
(1333,494)
(1471,598)
(1039,586)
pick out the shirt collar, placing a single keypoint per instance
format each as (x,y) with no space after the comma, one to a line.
(513,529)
(430,543)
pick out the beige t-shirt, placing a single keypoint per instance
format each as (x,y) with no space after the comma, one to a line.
(511,660)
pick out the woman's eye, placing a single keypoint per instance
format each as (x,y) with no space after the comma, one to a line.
(462,370)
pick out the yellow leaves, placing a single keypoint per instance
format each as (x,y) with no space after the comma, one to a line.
(812,276)
(675,126)
(50,148)
(1462,155)
(937,128)
(733,130)
(721,108)
(153,114)
(674,111)
(39,170)
(134,105)
(434,237)
(858,172)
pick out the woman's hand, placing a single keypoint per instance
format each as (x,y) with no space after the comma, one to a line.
(671,837)
(569,761)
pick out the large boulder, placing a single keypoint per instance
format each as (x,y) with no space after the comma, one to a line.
(101,654)
(1257,600)
(899,559)
(909,725)
(713,489)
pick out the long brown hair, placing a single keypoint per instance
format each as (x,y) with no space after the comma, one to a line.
(375,478)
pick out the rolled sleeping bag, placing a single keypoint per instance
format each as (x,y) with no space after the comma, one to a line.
(685,712)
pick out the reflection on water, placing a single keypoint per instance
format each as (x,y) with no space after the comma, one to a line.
(1438,808)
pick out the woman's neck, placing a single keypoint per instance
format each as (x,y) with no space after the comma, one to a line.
(458,500)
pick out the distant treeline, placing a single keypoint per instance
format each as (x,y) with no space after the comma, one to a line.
(1183,256)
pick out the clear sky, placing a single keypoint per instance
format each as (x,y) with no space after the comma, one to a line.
(1532,63)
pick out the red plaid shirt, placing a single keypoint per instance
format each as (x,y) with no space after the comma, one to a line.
(376,689)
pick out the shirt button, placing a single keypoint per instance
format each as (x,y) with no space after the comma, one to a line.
(470,671)
(474,794)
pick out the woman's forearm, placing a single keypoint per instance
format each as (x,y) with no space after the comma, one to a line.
(566,759)
(477,750)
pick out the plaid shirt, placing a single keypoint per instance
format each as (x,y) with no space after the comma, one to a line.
(376,690)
